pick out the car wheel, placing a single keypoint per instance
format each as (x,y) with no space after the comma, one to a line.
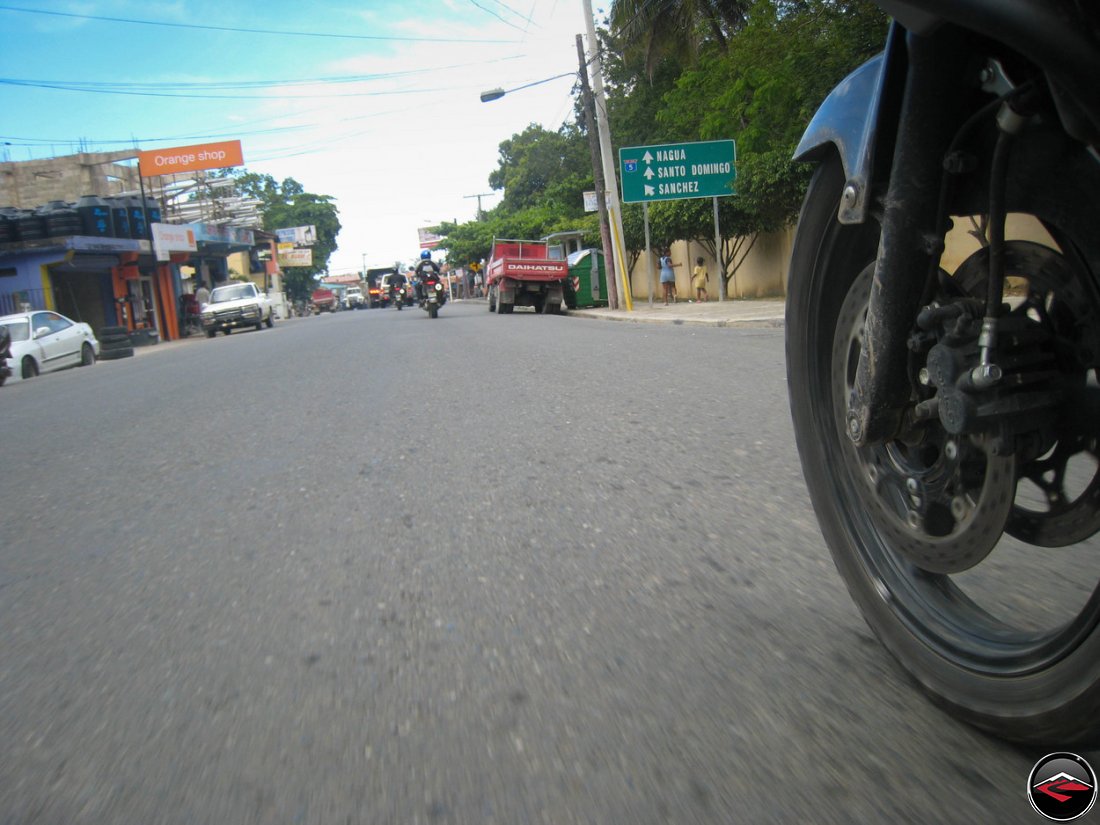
(270,320)
(87,355)
(228,330)
(30,368)
(210,333)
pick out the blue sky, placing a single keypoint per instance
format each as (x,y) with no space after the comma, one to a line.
(382,112)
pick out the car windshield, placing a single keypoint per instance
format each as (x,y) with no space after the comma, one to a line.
(18,330)
(230,293)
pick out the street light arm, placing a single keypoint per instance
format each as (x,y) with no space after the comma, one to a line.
(498,93)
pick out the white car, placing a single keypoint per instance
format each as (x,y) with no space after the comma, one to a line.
(236,305)
(43,341)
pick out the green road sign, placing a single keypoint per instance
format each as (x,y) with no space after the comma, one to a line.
(673,171)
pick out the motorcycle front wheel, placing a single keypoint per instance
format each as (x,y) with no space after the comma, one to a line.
(963,636)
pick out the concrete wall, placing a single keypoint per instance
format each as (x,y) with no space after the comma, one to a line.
(762,275)
(765,269)
(26,184)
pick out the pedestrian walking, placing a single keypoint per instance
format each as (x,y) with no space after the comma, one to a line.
(699,281)
(668,277)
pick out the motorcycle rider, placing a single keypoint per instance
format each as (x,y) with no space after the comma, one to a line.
(397,281)
(426,267)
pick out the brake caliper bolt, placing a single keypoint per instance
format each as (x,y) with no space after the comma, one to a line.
(951,450)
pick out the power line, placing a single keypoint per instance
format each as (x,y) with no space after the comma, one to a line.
(75,87)
(276,32)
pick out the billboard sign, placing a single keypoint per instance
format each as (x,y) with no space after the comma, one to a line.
(298,235)
(428,238)
(295,257)
(220,155)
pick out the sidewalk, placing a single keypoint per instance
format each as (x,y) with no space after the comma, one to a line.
(729,313)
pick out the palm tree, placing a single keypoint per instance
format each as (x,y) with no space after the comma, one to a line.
(675,28)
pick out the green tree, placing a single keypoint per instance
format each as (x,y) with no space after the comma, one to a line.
(538,167)
(285,205)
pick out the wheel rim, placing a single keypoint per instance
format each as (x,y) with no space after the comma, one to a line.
(936,607)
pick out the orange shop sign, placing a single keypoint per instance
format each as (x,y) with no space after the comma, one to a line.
(190,158)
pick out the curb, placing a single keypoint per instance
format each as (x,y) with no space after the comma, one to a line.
(625,317)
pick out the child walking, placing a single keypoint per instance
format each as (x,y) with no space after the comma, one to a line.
(699,280)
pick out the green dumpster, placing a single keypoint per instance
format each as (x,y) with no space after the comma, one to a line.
(587,290)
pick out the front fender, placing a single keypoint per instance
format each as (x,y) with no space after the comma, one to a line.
(851,120)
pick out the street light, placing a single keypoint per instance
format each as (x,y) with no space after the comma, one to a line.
(498,93)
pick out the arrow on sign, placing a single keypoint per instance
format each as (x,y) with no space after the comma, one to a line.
(648,158)
(648,172)
(649,190)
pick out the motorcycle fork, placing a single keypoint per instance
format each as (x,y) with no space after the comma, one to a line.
(911,241)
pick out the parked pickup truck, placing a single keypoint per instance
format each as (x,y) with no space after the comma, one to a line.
(236,305)
(324,300)
(520,273)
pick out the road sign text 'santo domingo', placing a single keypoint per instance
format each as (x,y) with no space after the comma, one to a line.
(674,171)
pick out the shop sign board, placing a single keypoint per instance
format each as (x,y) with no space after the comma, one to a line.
(591,204)
(169,238)
(295,257)
(298,235)
(677,171)
(221,155)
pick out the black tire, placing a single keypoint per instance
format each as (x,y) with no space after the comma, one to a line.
(433,310)
(29,369)
(540,305)
(114,343)
(114,338)
(1035,686)
(210,333)
(115,354)
(228,330)
(107,332)
(259,326)
(493,299)
(87,355)
(270,320)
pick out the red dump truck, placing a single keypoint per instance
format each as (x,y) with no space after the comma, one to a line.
(520,273)
(324,300)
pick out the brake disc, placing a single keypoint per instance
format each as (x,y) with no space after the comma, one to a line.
(1055,300)
(941,501)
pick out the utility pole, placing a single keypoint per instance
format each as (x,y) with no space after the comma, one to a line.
(480,214)
(597,175)
(610,181)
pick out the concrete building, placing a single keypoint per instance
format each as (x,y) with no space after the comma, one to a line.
(30,183)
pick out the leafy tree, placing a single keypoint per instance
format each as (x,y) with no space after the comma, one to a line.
(539,167)
(287,204)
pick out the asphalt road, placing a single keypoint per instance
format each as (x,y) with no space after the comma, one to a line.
(373,568)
